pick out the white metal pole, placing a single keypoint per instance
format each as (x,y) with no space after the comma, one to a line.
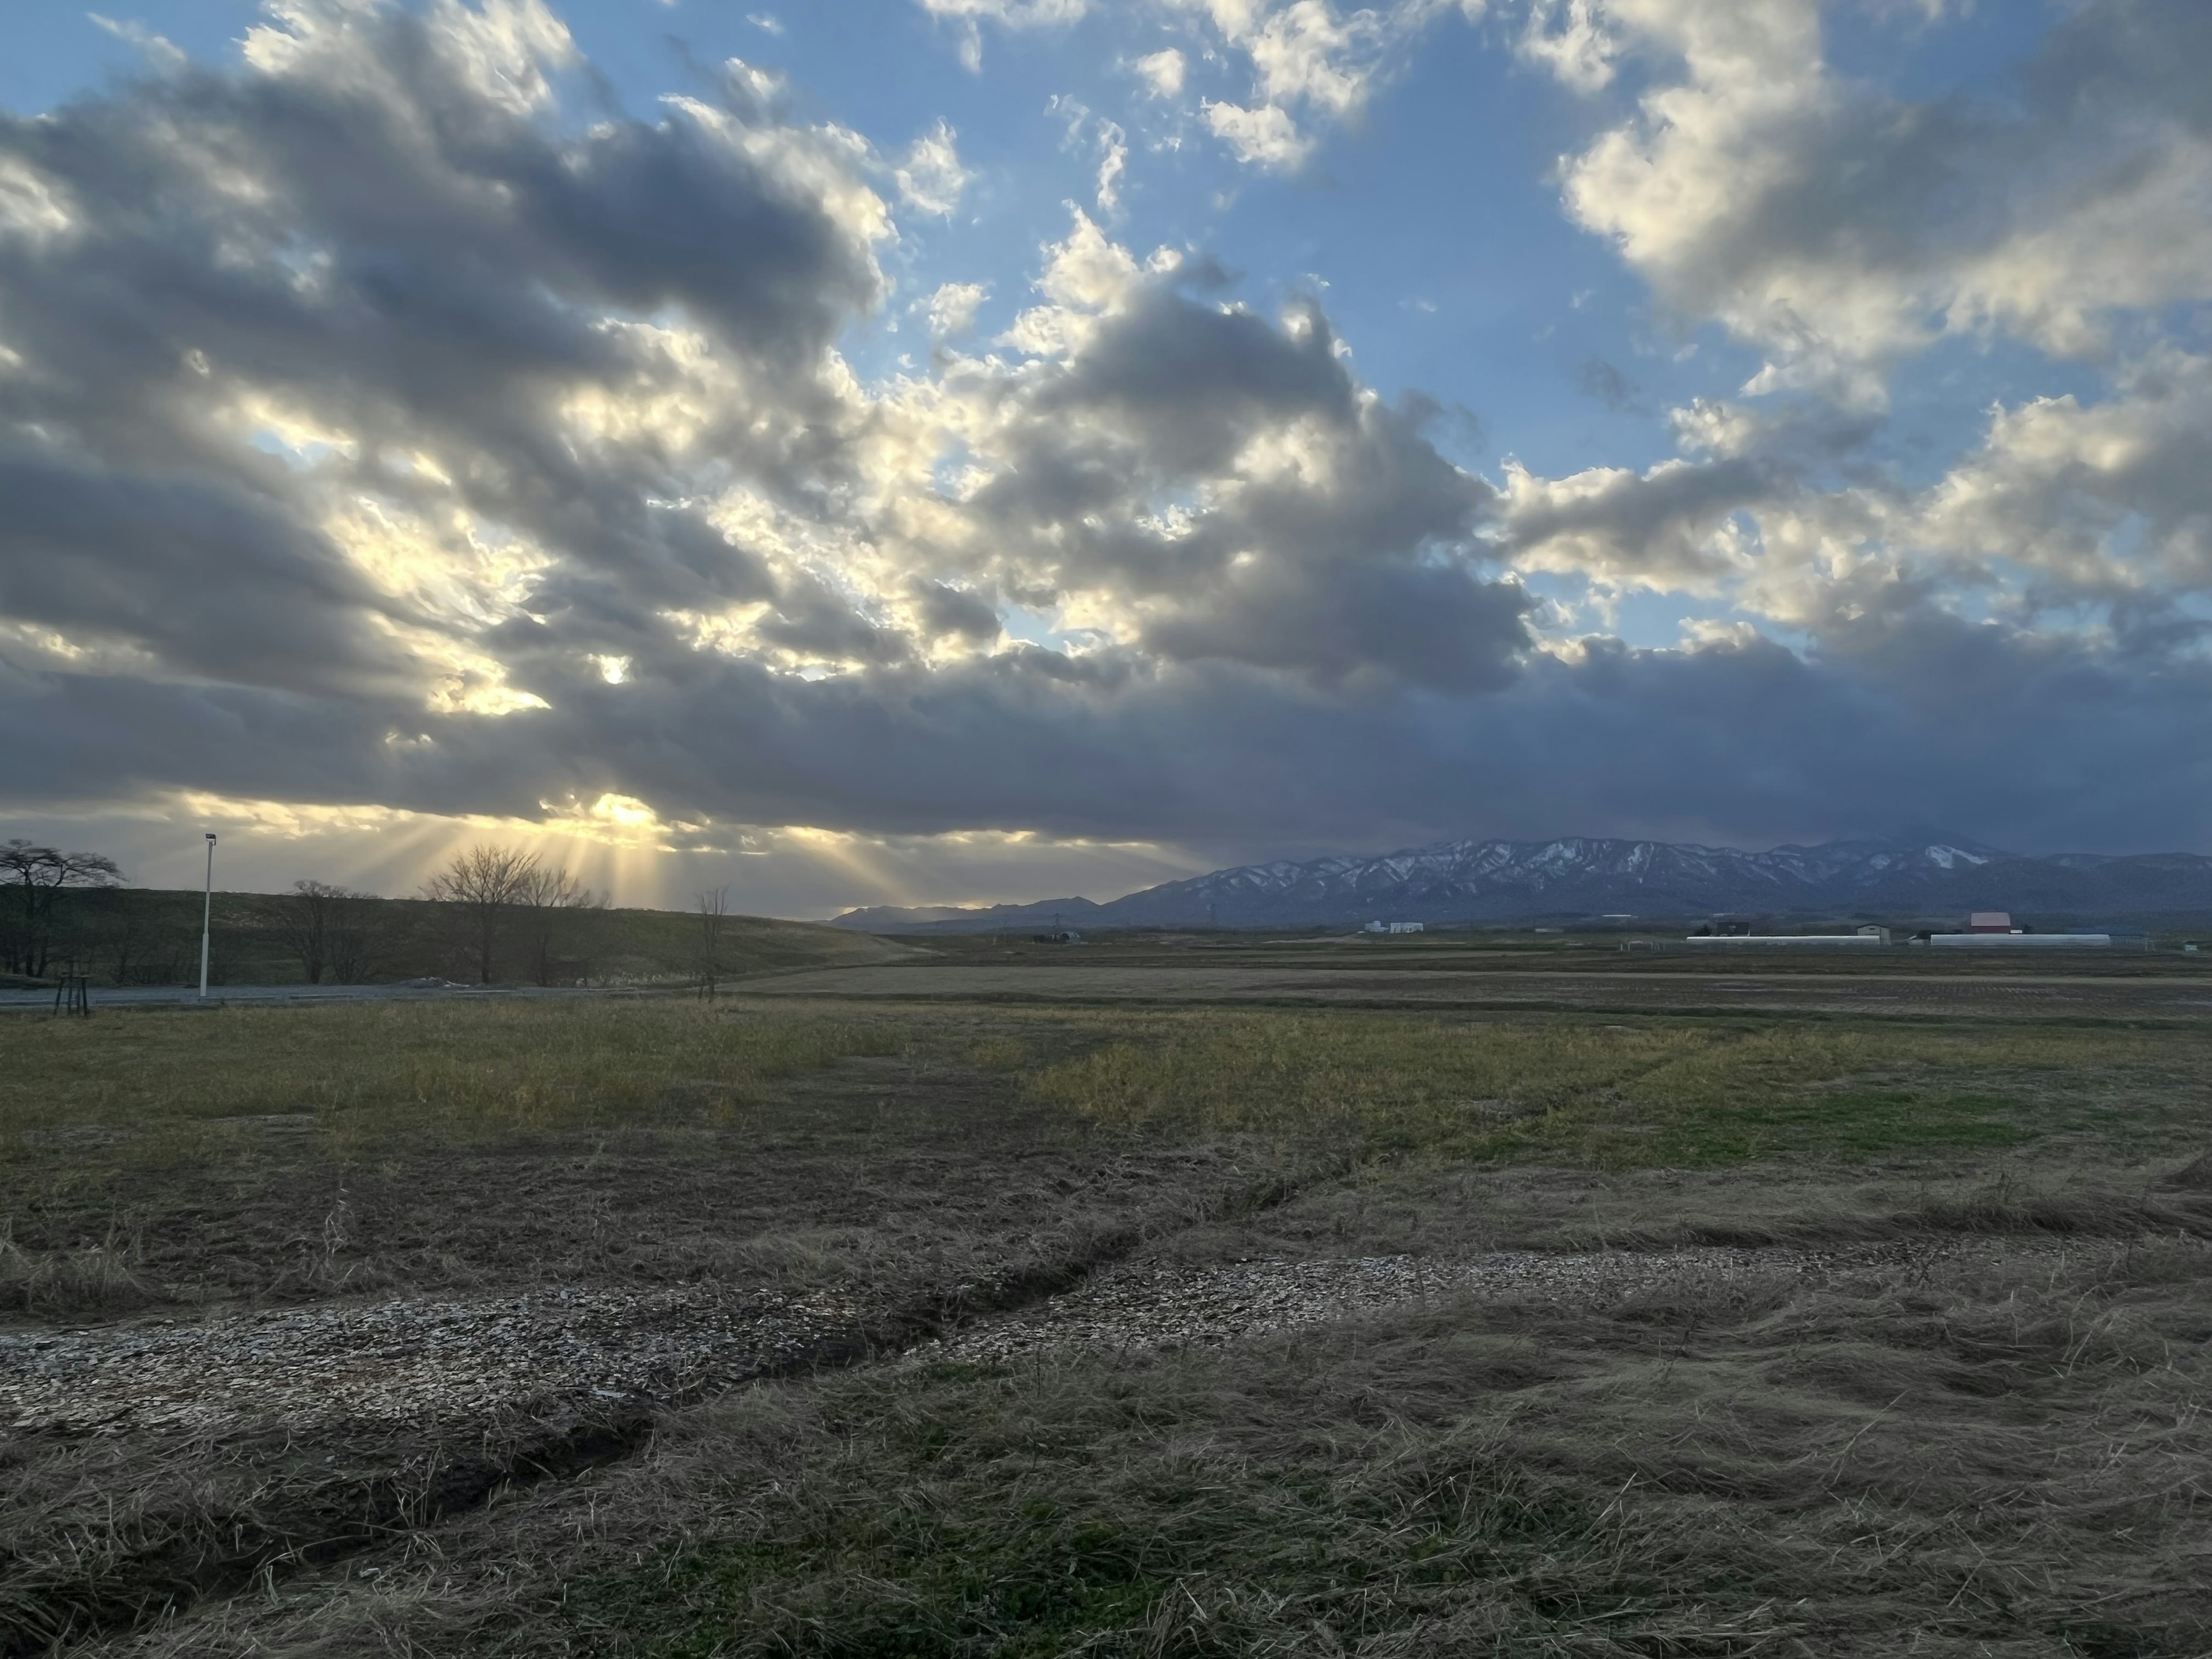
(207,916)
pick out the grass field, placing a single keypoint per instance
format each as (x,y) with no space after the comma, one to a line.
(1870,1470)
(1998,1453)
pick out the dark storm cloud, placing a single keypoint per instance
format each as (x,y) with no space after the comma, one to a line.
(1991,735)
(955,610)
(242,588)
(1324,535)
(364,230)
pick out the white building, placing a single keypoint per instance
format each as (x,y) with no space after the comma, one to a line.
(1864,941)
(1395,927)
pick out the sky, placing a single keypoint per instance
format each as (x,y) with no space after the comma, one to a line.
(955,450)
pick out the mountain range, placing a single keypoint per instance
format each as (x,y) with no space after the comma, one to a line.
(1496,881)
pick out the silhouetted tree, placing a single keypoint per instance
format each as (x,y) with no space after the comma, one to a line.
(320,925)
(549,897)
(484,884)
(355,937)
(37,874)
(714,911)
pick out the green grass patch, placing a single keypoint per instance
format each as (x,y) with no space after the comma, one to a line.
(157,1085)
(1606,1094)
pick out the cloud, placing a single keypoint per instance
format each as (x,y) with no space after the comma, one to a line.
(160,50)
(2102,500)
(1838,228)
(1113,162)
(952,307)
(1668,529)
(357,420)
(362,404)
(1570,39)
(931,178)
(1162,73)
(1601,380)
(1007,14)
(319,374)
(1307,59)
(1266,136)
(1109,138)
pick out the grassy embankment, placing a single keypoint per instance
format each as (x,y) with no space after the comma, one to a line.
(140,936)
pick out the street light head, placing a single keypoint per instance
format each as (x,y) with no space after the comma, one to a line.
(211,835)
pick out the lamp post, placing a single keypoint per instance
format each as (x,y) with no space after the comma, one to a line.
(207,915)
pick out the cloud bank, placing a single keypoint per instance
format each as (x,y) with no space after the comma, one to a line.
(387,431)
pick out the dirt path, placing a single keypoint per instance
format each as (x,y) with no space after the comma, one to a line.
(1146,1306)
(408,1361)
(414,1361)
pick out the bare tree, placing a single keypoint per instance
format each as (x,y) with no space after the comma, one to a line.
(38,873)
(311,919)
(714,910)
(120,934)
(354,937)
(484,884)
(549,896)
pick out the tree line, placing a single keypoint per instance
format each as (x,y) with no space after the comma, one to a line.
(38,876)
(490,912)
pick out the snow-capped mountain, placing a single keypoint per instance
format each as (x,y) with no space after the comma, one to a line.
(1486,880)
(1501,880)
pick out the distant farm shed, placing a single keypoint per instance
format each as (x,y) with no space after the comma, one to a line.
(1990,921)
(1873,941)
(1395,927)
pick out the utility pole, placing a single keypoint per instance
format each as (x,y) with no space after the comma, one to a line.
(207,916)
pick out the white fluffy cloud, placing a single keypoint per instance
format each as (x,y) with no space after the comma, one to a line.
(1309,61)
(932,177)
(1837,227)
(1163,72)
(952,307)
(1266,136)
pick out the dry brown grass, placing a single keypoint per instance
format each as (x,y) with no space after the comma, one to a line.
(2007,1464)
(2003,1461)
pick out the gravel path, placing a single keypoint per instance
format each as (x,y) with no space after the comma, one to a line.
(1150,1306)
(404,1361)
(411,1361)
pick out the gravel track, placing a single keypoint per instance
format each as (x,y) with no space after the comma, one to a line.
(414,1361)
(1149,1306)
(407,1361)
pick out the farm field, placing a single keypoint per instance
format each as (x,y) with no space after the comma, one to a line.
(1444,973)
(1059,1318)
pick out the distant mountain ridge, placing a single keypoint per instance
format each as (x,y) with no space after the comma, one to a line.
(1478,881)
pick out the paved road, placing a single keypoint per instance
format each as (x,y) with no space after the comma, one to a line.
(168,996)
